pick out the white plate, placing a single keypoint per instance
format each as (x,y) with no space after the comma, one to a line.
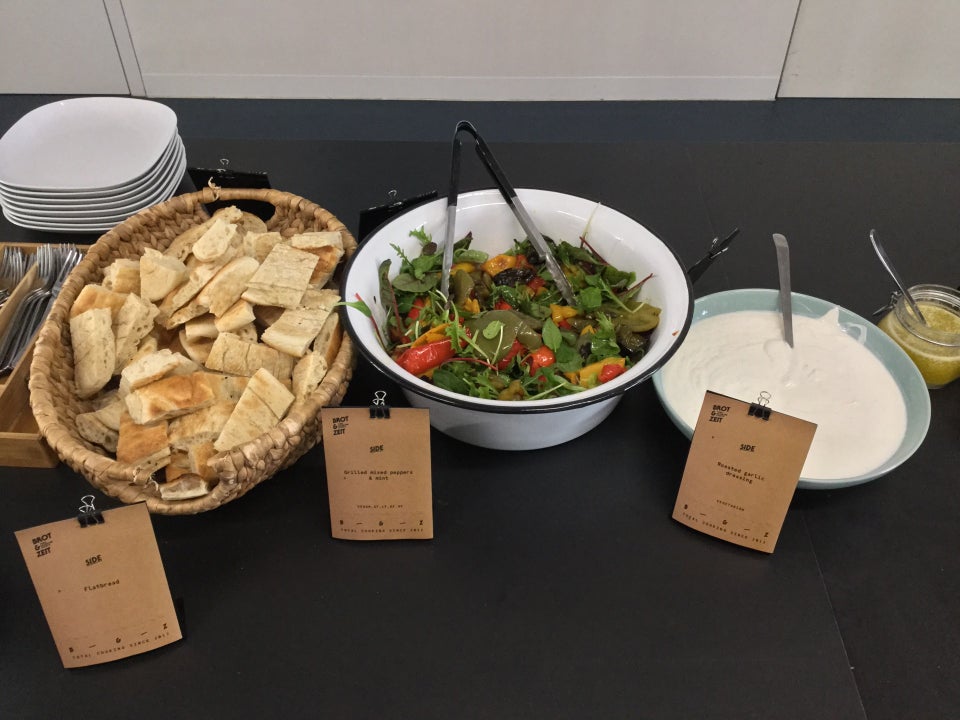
(122,192)
(110,215)
(100,224)
(85,143)
(98,209)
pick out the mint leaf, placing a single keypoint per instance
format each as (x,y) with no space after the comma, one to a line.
(551,335)
(493,329)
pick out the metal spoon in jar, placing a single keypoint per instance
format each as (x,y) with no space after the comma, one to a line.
(884,258)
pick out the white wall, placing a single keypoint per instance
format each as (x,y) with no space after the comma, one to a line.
(58,47)
(875,48)
(437,49)
(501,50)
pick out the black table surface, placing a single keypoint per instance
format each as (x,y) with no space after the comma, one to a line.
(557,584)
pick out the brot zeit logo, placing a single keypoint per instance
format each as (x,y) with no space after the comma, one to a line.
(43,544)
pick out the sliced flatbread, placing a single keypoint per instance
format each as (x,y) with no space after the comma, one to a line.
(94,350)
(169,397)
(262,405)
(160,274)
(122,276)
(231,354)
(134,321)
(327,245)
(225,288)
(282,277)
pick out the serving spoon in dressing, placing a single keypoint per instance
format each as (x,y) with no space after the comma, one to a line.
(786,298)
(885,260)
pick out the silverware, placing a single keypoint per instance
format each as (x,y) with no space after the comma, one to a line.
(519,211)
(885,260)
(53,266)
(453,191)
(13,266)
(786,300)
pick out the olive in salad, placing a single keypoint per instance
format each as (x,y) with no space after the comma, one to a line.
(506,333)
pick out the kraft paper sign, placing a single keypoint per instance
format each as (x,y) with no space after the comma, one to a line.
(744,464)
(102,587)
(378,473)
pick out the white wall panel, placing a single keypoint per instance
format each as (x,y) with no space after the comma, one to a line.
(436,49)
(875,48)
(54,46)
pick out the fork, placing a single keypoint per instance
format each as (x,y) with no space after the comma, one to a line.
(21,327)
(12,269)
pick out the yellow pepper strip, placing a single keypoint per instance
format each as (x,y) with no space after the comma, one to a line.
(559,313)
(573,377)
(472,305)
(434,333)
(499,263)
(590,373)
(588,329)
(467,267)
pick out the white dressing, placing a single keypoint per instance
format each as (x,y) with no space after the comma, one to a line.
(827,378)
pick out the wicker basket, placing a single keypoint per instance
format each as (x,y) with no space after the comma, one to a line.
(52,394)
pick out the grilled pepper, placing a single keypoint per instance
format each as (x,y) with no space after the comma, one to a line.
(422,358)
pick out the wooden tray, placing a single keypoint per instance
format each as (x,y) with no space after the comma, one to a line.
(21,444)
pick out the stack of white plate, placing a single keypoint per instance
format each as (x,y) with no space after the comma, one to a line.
(86,164)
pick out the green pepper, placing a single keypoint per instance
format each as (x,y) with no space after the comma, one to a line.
(512,326)
(463,287)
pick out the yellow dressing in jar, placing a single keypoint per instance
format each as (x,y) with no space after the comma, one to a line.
(935,346)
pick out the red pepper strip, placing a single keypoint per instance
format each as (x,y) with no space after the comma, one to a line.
(420,359)
(609,372)
(415,310)
(540,358)
(502,305)
(536,283)
(511,353)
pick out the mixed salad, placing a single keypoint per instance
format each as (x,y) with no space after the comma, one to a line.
(505,333)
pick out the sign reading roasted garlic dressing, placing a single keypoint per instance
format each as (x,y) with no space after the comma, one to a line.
(378,473)
(744,464)
(102,586)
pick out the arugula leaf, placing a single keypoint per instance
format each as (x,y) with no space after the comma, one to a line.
(359,305)
(603,344)
(425,263)
(618,278)
(421,235)
(409,283)
(589,299)
(448,380)
(568,359)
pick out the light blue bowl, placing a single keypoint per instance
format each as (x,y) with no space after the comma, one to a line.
(901,367)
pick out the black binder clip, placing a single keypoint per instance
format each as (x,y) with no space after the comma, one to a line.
(89,515)
(379,410)
(759,409)
(224,177)
(374,217)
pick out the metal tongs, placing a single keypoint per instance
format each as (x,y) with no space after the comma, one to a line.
(510,195)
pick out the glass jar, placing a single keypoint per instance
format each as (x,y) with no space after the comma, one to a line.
(935,346)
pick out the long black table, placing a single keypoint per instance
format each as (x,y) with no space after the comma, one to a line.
(557,584)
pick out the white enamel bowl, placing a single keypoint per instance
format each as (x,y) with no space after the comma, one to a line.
(521,425)
(898,364)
